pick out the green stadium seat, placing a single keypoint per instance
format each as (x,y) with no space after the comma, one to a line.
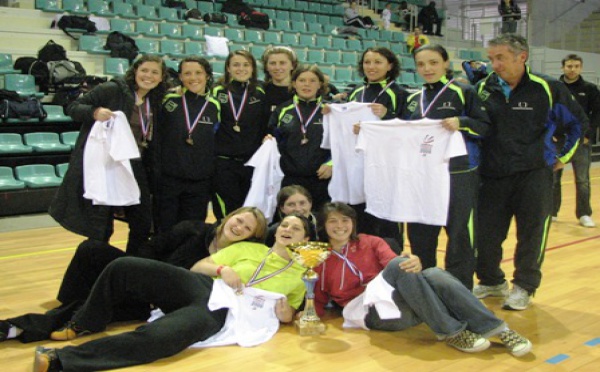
(24,85)
(295,16)
(172,63)
(154,3)
(124,26)
(307,40)
(192,32)
(147,12)
(124,10)
(310,18)
(323,42)
(235,35)
(315,56)
(370,43)
(69,138)
(38,175)
(288,38)
(254,36)
(343,76)
(333,57)
(56,114)
(61,169)
(75,7)
(212,31)
(6,64)
(172,48)
(169,15)
(298,26)
(408,79)
(52,6)
(283,14)
(45,142)
(315,28)
(170,30)
(338,43)
(205,7)
(283,24)
(100,8)
(148,46)
(92,44)
(218,68)
(271,37)
(12,143)
(147,28)
(257,51)
(356,45)
(8,181)
(115,66)
(407,64)
(350,58)
(193,48)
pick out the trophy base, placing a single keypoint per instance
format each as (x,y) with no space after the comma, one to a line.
(310,328)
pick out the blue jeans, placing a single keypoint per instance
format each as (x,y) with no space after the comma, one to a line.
(580,161)
(436,298)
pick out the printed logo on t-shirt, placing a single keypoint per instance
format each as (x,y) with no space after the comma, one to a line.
(222,97)
(427,145)
(171,106)
(258,302)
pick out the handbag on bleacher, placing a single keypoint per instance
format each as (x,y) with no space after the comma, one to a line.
(28,108)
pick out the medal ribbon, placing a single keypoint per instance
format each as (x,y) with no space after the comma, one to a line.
(424,113)
(237,113)
(253,280)
(305,124)
(350,264)
(362,96)
(146,125)
(191,127)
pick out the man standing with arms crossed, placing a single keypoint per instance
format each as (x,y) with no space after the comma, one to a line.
(588,97)
(518,159)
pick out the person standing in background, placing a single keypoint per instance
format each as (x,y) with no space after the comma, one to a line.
(511,13)
(588,96)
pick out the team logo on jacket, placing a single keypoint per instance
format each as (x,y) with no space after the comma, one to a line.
(171,106)
(446,106)
(222,97)
(413,106)
(484,95)
(287,118)
(523,106)
(253,100)
(427,145)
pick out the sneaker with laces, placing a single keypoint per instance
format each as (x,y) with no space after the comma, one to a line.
(468,342)
(586,221)
(515,343)
(46,360)
(4,328)
(518,299)
(69,332)
(483,291)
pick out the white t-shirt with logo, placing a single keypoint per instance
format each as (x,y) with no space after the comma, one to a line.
(347,180)
(107,174)
(406,169)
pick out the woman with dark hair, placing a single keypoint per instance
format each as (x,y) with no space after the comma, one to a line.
(241,131)
(379,67)
(459,108)
(364,277)
(184,245)
(183,297)
(298,127)
(187,143)
(138,95)
(278,63)
(292,199)
(511,13)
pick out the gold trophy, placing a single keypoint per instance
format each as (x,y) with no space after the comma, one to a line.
(310,255)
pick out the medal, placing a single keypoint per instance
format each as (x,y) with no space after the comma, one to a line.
(145,125)
(190,126)
(237,112)
(424,112)
(304,124)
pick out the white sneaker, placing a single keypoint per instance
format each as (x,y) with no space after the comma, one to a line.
(586,221)
(468,342)
(515,343)
(483,291)
(518,299)
(554,218)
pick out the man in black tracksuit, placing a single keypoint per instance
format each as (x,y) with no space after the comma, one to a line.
(518,158)
(588,96)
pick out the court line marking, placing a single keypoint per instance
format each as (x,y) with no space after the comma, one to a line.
(58,250)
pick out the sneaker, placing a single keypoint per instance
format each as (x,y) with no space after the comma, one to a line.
(586,221)
(554,218)
(518,299)
(515,343)
(468,342)
(69,332)
(483,291)
(46,360)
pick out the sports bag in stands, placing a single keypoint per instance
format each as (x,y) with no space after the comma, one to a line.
(52,52)
(254,20)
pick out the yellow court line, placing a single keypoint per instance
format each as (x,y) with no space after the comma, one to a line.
(48,252)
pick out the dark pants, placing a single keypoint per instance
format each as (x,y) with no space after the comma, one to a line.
(460,229)
(360,22)
(181,200)
(315,186)
(528,197)
(428,26)
(180,294)
(368,224)
(580,161)
(231,184)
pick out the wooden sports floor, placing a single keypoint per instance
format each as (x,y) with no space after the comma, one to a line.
(563,323)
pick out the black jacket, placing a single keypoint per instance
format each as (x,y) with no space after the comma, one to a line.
(523,124)
(68,207)
(179,158)
(588,96)
(393,98)
(509,12)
